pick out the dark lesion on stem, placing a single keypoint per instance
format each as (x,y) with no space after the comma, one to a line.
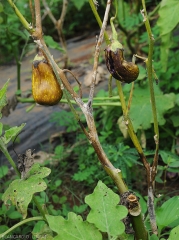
(131,202)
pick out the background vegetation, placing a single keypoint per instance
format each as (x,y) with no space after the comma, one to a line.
(75,169)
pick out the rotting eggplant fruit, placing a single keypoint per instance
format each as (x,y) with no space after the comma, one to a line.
(45,88)
(119,68)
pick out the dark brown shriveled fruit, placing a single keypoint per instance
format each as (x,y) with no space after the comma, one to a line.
(119,68)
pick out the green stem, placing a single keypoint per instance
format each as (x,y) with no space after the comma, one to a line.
(2,235)
(39,207)
(116,175)
(98,19)
(153,169)
(114,33)
(95,104)
(7,155)
(21,18)
(137,222)
(149,72)
(31,100)
(138,225)
(129,123)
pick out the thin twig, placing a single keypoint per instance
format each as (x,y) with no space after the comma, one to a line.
(24,22)
(32,12)
(153,170)
(97,51)
(79,83)
(130,99)
(59,26)
(49,12)
(98,19)
(38,31)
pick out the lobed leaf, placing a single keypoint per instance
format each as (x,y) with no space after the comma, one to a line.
(105,212)
(73,228)
(141,108)
(20,191)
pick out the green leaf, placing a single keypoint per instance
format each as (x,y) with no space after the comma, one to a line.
(168,16)
(3,98)
(141,109)
(169,158)
(12,132)
(3,171)
(105,212)
(79,4)
(79,209)
(1,128)
(165,45)
(142,73)
(1,8)
(153,237)
(125,236)
(38,171)
(168,212)
(14,215)
(42,231)
(73,228)
(175,120)
(52,44)
(21,191)
(3,228)
(174,164)
(58,182)
(174,233)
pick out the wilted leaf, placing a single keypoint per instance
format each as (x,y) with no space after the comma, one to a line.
(73,228)
(122,126)
(105,212)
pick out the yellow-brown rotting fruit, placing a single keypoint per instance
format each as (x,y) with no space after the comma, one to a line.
(45,88)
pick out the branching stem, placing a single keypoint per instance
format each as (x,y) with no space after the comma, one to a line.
(2,235)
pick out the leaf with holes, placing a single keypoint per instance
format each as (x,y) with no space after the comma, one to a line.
(73,228)
(105,212)
(20,191)
(174,233)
